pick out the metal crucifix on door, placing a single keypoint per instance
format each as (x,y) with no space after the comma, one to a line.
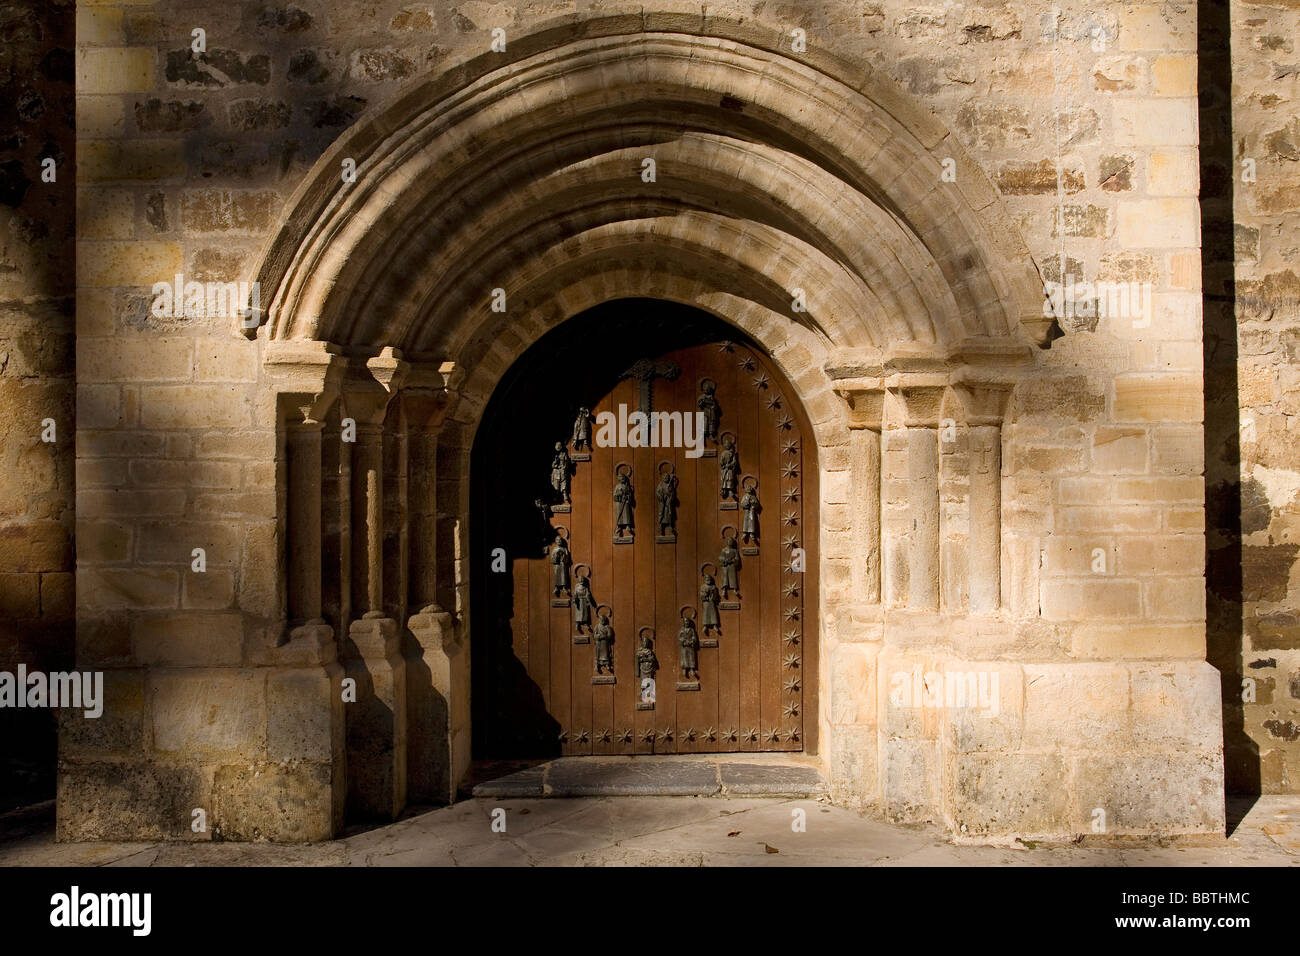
(645,371)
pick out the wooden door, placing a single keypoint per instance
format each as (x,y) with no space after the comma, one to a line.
(550,691)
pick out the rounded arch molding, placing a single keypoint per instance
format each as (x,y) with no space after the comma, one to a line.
(774,172)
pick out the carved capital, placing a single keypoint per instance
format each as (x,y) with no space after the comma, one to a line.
(426,408)
(370,386)
(985,403)
(921,395)
(866,402)
(307,377)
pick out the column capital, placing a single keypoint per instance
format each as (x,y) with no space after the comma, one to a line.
(306,377)
(985,402)
(866,401)
(921,394)
(370,385)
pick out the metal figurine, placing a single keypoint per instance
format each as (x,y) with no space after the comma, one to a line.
(708,404)
(561,469)
(647,665)
(709,597)
(689,640)
(582,429)
(728,465)
(728,564)
(624,506)
(604,637)
(561,559)
(666,494)
(582,603)
(750,506)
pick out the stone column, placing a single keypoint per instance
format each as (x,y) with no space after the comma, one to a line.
(986,405)
(437,668)
(305,719)
(922,397)
(866,414)
(376,720)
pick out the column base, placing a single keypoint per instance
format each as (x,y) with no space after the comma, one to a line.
(376,720)
(438,728)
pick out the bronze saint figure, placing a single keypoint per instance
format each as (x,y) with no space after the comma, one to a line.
(561,559)
(666,494)
(708,404)
(728,465)
(728,564)
(709,597)
(749,524)
(689,639)
(582,603)
(647,665)
(561,469)
(604,636)
(582,429)
(624,506)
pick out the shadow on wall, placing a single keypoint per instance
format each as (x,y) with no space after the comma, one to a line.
(37,278)
(1223,493)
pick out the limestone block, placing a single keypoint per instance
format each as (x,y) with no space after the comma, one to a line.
(139,263)
(1170,398)
(854,779)
(129,800)
(1158,223)
(909,778)
(376,721)
(110,588)
(853,685)
(117,69)
(1079,706)
(1081,600)
(1177,705)
(189,639)
(118,731)
(1005,794)
(208,711)
(1138,641)
(1151,793)
(288,802)
(437,680)
(304,718)
(994,697)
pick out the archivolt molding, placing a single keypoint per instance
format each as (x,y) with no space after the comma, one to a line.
(519,171)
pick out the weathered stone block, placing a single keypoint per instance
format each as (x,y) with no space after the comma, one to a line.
(286,802)
(209,712)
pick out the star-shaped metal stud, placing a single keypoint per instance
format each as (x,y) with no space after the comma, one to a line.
(774,735)
(666,734)
(708,733)
(790,470)
(689,733)
(648,735)
(580,737)
(791,660)
(789,447)
(760,381)
(793,733)
(791,636)
(747,363)
(791,590)
(774,401)
(724,347)
(564,736)
(790,494)
(785,423)
(603,736)
(790,518)
(752,734)
(792,614)
(624,736)
(790,543)
(792,685)
(791,709)
(731,734)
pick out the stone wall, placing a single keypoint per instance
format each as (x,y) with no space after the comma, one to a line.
(36,375)
(1254,468)
(1085,122)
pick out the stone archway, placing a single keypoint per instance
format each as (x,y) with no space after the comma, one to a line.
(797,198)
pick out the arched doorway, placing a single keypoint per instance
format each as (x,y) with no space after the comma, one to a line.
(559,662)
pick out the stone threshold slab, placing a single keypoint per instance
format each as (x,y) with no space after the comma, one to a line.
(689,776)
